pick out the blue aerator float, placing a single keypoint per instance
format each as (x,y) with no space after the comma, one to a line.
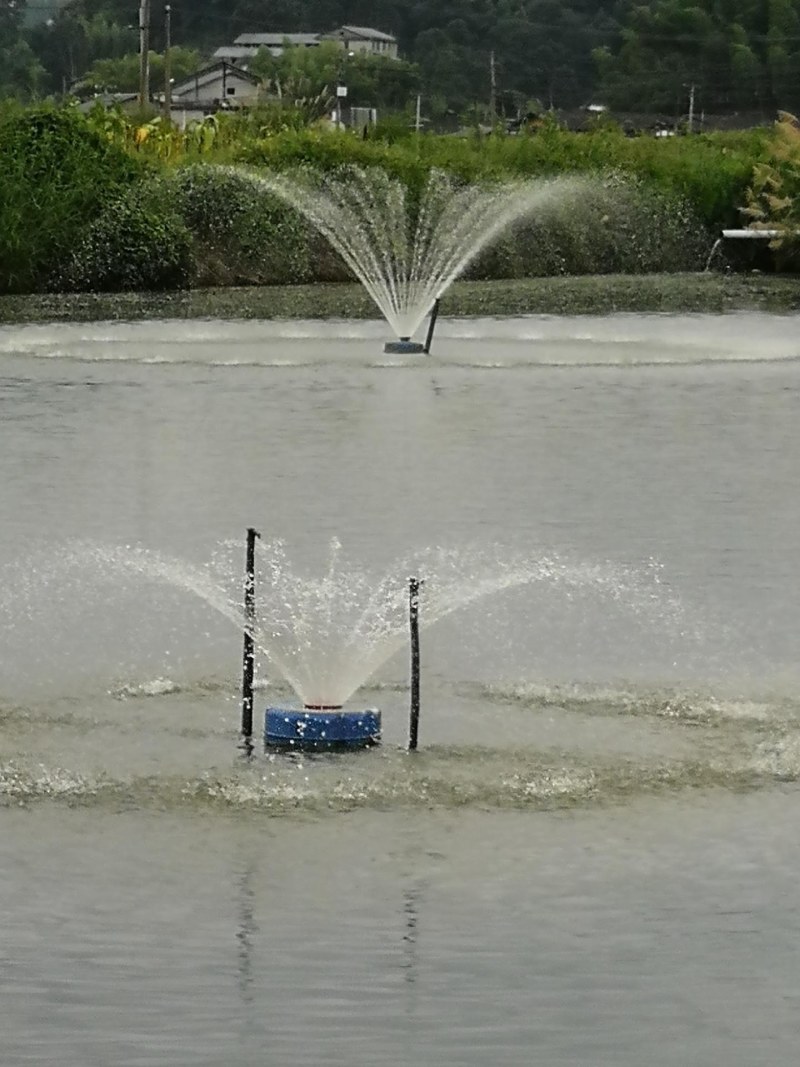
(321,729)
(317,727)
(404,346)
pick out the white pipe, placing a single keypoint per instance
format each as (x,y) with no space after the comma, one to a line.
(753,235)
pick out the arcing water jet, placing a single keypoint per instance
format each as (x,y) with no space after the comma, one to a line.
(407,256)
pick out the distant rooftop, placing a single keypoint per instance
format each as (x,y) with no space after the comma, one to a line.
(235,51)
(210,73)
(276,40)
(365,32)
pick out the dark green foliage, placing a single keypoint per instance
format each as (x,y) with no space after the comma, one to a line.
(121,74)
(78,212)
(200,226)
(329,151)
(542,47)
(243,235)
(616,226)
(21,73)
(138,242)
(740,55)
(301,74)
(737,55)
(710,173)
(56,175)
(68,42)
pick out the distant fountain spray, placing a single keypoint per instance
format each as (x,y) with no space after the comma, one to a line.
(407,257)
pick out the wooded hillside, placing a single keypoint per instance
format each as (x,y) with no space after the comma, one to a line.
(736,55)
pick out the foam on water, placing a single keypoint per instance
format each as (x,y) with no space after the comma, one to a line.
(449,779)
(515,342)
(675,703)
(779,758)
(156,687)
(170,747)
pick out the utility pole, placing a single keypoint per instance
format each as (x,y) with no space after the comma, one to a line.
(144,53)
(492,89)
(167,63)
(418,117)
(690,123)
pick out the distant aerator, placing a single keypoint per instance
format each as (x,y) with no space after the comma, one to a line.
(404,347)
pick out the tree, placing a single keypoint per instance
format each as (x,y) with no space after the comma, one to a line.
(21,74)
(783,53)
(640,55)
(307,73)
(737,53)
(68,44)
(122,75)
(452,72)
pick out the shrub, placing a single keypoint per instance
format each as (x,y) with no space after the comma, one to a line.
(773,199)
(617,226)
(710,172)
(242,233)
(330,151)
(55,174)
(138,242)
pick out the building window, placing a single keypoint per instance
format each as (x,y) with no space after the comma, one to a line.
(231,90)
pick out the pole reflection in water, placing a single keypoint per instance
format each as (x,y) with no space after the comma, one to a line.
(411,899)
(246,932)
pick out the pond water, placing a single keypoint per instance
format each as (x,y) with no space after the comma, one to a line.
(590,859)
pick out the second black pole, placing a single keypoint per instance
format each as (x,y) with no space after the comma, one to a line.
(413,619)
(431,327)
(248,655)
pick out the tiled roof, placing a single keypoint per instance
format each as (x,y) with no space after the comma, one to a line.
(275,40)
(234,51)
(366,32)
(207,74)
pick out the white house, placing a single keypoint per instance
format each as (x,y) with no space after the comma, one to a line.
(275,42)
(364,39)
(220,85)
(349,38)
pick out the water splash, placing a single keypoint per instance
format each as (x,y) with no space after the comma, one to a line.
(452,778)
(83,613)
(45,576)
(407,263)
(327,634)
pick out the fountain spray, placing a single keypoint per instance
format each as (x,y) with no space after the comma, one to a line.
(318,726)
(406,256)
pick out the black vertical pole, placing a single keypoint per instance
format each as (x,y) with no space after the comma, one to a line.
(431,326)
(248,655)
(413,618)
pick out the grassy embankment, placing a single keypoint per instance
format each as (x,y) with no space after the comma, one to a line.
(547,296)
(99,204)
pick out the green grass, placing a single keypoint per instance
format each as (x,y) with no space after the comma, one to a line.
(675,293)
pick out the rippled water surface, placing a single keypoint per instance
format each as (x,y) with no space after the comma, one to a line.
(589,861)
